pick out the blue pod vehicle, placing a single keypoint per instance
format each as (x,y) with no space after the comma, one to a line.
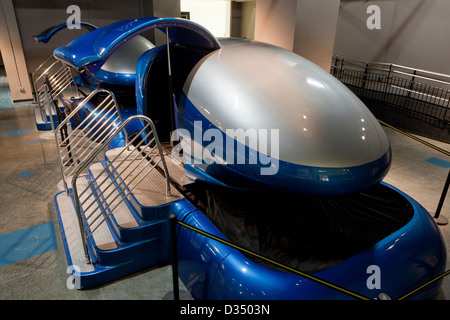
(286,161)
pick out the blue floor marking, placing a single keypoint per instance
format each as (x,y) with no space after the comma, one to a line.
(36,142)
(26,243)
(439,162)
(18,132)
(24,174)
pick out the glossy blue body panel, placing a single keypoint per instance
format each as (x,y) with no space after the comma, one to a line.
(408,258)
(95,47)
(48,34)
(114,78)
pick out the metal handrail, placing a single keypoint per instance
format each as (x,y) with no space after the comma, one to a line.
(76,146)
(39,88)
(33,75)
(51,83)
(422,94)
(121,189)
(94,129)
(338,62)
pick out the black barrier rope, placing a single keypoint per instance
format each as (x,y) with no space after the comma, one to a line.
(417,139)
(173,221)
(442,220)
(425,285)
(439,220)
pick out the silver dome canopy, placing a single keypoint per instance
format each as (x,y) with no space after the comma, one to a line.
(253,85)
(125,58)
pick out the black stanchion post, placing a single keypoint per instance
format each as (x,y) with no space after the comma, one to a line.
(173,243)
(439,219)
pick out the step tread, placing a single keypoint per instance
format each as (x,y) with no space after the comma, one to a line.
(175,168)
(71,230)
(103,238)
(121,213)
(151,191)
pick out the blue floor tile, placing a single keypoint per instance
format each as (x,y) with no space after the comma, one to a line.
(439,162)
(36,142)
(26,243)
(24,174)
(18,132)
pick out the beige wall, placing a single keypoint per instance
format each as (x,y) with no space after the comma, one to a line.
(32,17)
(38,15)
(12,54)
(248,19)
(24,19)
(306,27)
(315,30)
(275,22)
(413,33)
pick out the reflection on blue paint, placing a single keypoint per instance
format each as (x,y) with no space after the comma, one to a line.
(26,243)
(24,174)
(18,132)
(439,162)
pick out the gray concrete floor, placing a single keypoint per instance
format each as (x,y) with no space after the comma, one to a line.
(27,202)
(422,180)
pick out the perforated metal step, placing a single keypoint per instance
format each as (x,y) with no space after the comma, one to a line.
(71,233)
(102,236)
(151,191)
(121,212)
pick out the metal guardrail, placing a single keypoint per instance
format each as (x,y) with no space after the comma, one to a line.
(80,139)
(79,135)
(432,77)
(38,72)
(418,93)
(50,84)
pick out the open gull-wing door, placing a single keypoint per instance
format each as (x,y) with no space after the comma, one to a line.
(108,56)
(46,35)
(141,66)
(93,49)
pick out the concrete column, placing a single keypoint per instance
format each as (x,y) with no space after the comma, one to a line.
(307,27)
(12,54)
(315,30)
(275,22)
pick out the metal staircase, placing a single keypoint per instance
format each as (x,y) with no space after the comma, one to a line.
(50,80)
(113,211)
